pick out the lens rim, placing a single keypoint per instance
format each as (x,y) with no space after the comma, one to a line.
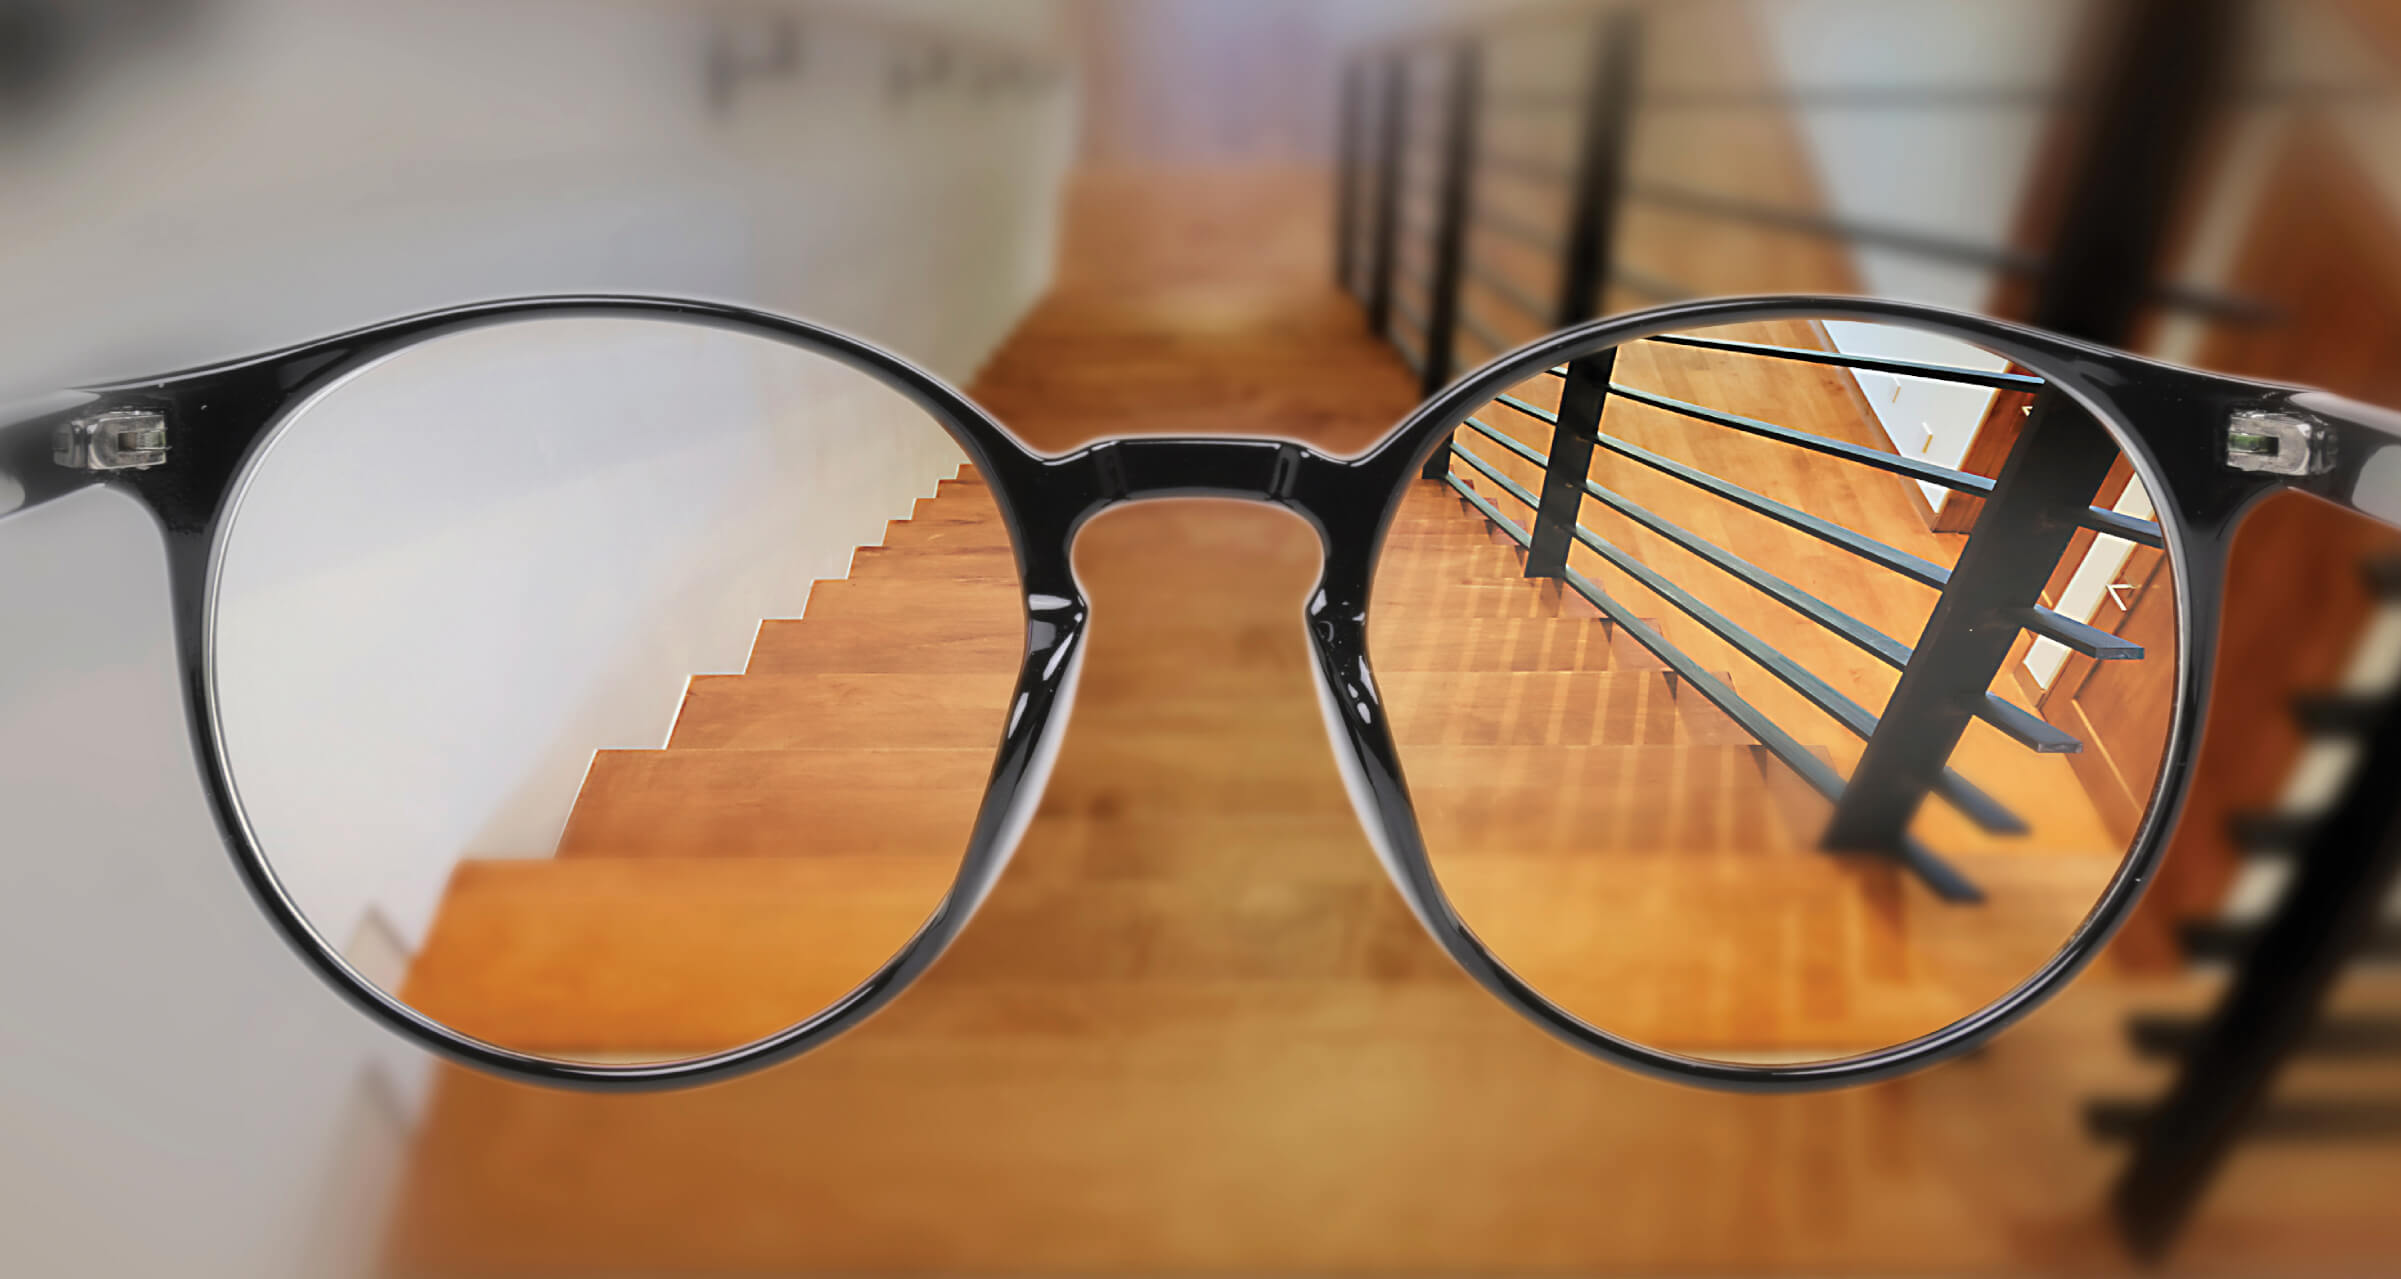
(271,392)
(2153,411)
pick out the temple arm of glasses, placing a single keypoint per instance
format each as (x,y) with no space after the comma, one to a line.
(30,470)
(2343,449)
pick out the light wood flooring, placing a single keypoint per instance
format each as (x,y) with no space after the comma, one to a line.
(1195,1030)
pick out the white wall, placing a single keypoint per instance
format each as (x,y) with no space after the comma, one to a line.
(460,573)
(307,165)
(1933,421)
(178,1095)
(1955,172)
(2290,44)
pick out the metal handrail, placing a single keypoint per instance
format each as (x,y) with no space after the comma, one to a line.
(1938,875)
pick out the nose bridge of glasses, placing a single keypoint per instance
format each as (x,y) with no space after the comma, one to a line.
(1143,467)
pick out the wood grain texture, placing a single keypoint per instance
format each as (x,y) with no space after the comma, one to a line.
(1195,1030)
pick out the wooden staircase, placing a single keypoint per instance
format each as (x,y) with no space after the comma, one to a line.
(1194,1029)
(1528,723)
(807,814)
(1615,838)
(803,819)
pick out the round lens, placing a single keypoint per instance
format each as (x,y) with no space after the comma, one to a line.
(1779,692)
(613,690)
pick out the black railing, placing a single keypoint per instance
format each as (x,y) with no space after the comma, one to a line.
(2097,274)
(2339,868)
(1577,433)
(2094,281)
(1395,107)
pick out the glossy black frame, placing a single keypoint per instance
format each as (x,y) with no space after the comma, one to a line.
(2171,421)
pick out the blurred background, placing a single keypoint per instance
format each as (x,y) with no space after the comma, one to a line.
(1193,1031)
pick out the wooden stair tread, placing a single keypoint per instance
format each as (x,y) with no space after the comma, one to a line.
(843,708)
(992,644)
(609,956)
(984,532)
(1577,800)
(944,604)
(1503,597)
(934,564)
(957,513)
(777,803)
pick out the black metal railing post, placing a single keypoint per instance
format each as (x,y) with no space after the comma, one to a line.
(1605,139)
(2096,282)
(1462,107)
(1582,399)
(2037,504)
(1455,210)
(1348,148)
(2342,875)
(1392,134)
(2170,71)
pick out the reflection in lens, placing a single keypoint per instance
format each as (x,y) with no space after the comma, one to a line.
(580,695)
(1790,734)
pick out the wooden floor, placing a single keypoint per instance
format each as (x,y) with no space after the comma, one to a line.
(1194,1029)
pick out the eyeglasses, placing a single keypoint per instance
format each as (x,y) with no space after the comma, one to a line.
(628,692)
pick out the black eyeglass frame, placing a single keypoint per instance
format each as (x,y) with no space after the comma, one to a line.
(2172,423)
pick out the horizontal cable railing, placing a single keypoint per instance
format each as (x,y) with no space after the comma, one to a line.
(1530,168)
(1653,287)
(1923,245)
(1518,229)
(2079,636)
(1938,875)
(2021,725)
(2099,518)
(1858,720)
(2102,519)
(1999,381)
(1509,291)
(1480,330)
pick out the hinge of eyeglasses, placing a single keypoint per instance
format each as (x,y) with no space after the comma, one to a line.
(118,440)
(2278,444)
